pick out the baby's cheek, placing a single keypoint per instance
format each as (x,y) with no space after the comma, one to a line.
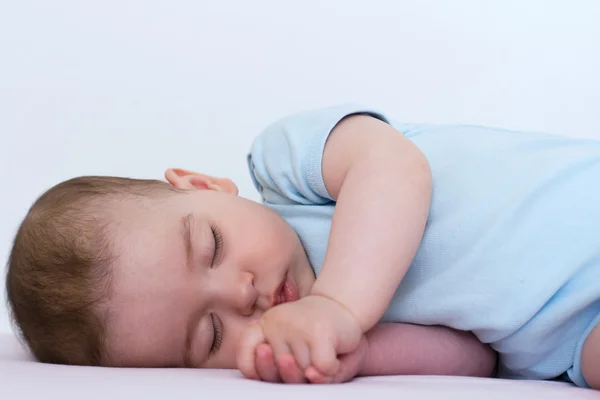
(226,356)
(223,359)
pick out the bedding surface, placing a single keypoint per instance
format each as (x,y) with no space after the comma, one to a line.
(22,378)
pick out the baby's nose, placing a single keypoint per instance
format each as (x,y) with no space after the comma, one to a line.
(246,295)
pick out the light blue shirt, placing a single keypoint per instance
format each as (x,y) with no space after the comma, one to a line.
(511,249)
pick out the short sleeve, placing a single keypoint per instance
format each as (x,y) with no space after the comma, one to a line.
(285,160)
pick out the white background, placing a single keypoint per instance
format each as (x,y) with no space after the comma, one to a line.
(133,87)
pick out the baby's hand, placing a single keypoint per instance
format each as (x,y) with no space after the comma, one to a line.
(351,365)
(310,332)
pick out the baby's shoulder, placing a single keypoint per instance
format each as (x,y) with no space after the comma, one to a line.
(285,158)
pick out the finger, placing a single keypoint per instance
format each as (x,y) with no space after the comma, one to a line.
(288,369)
(265,364)
(246,352)
(301,353)
(279,347)
(285,362)
(348,369)
(324,357)
(350,364)
(315,376)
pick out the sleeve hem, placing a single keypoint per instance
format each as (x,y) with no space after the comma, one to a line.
(314,173)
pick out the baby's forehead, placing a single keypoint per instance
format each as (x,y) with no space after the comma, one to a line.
(134,217)
(141,331)
(147,289)
(146,271)
(150,241)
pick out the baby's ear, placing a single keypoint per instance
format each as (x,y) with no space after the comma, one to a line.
(183,179)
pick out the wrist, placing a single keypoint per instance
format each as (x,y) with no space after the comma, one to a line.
(351,317)
(360,323)
(363,366)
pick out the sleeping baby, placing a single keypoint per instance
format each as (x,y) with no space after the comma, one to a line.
(379,248)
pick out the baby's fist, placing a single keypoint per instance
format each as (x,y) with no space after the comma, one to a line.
(313,330)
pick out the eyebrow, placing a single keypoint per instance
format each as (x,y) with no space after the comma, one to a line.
(186,230)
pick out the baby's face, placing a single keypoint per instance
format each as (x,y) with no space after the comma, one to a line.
(193,270)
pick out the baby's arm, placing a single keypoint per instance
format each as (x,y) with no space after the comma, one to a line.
(403,349)
(400,349)
(382,186)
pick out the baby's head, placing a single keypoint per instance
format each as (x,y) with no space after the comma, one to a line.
(122,272)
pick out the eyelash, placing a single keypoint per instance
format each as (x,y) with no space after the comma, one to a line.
(217,330)
(218,241)
(217,334)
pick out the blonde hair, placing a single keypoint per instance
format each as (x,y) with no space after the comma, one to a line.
(59,266)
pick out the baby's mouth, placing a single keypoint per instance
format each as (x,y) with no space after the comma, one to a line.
(285,292)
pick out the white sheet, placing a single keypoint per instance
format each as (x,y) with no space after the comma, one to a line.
(22,378)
